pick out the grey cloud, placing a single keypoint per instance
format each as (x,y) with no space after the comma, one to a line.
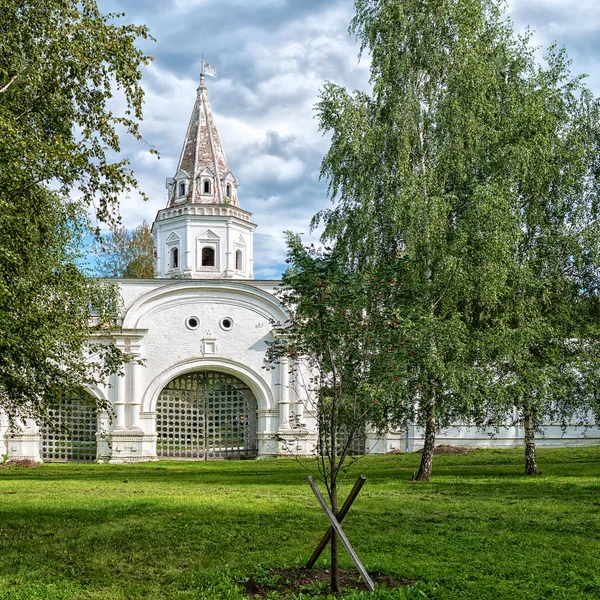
(572,25)
(232,36)
(288,146)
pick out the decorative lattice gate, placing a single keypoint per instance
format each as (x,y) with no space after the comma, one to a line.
(206,415)
(70,433)
(357,446)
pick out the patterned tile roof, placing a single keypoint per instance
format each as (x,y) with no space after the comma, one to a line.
(202,164)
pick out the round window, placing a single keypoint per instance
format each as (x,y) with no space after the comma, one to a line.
(226,323)
(192,323)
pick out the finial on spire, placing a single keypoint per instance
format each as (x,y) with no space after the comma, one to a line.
(207,69)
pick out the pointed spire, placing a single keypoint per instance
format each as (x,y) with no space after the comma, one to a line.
(203,165)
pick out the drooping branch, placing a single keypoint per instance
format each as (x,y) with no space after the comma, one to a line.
(10,82)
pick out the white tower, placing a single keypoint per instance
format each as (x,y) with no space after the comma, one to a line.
(203,233)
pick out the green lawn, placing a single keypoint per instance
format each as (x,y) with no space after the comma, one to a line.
(186,530)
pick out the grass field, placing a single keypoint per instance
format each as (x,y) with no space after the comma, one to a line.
(480,529)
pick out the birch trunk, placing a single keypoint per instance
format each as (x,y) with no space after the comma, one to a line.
(427,457)
(530,460)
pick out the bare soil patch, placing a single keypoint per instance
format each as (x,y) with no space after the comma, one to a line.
(314,582)
(25,463)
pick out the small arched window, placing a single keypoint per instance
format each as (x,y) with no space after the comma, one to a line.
(182,188)
(208,257)
(238,260)
(206,186)
(228,190)
(174,258)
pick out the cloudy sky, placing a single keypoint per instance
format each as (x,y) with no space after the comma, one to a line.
(272,56)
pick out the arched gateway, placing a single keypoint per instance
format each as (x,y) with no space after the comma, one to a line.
(206,415)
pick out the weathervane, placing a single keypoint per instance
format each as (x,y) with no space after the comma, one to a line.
(207,69)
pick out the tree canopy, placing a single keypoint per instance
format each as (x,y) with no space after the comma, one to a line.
(337,346)
(55,322)
(478,167)
(61,64)
(548,365)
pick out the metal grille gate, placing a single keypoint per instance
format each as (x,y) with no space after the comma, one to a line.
(70,434)
(358,445)
(206,415)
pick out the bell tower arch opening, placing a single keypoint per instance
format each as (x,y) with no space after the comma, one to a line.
(208,256)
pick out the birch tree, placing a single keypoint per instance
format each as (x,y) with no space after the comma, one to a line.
(436,165)
(549,360)
(125,253)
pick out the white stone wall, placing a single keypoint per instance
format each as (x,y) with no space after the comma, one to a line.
(3,432)
(155,328)
(508,437)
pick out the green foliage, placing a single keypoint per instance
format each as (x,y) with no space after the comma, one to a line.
(478,530)
(338,342)
(547,356)
(60,64)
(479,168)
(338,345)
(50,344)
(127,254)
(61,61)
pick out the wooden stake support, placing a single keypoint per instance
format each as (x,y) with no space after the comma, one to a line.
(341,514)
(335,525)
